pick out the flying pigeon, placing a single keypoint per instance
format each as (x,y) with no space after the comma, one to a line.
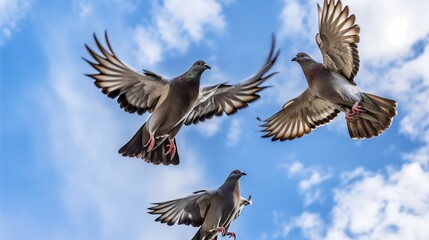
(211,210)
(331,85)
(172,102)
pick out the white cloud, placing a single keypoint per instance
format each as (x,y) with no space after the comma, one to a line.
(310,177)
(298,19)
(11,12)
(84,9)
(176,24)
(310,224)
(234,132)
(149,48)
(209,127)
(372,206)
(389,27)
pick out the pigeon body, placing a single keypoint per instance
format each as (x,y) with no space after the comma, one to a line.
(172,103)
(213,211)
(331,86)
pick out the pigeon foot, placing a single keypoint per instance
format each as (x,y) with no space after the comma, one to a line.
(221,230)
(356,109)
(151,143)
(231,234)
(171,149)
(350,117)
(354,112)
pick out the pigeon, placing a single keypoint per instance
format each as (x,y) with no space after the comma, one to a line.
(331,86)
(171,103)
(211,210)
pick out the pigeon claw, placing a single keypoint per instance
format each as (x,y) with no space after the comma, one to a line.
(151,143)
(231,234)
(221,230)
(171,149)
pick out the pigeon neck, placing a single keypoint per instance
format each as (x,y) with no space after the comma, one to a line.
(193,76)
(310,70)
(231,185)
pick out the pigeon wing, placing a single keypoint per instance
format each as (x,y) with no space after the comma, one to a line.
(189,210)
(338,38)
(225,98)
(299,116)
(136,92)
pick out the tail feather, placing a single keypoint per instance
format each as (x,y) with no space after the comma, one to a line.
(378,116)
(197,235)
(209,236)
(136,148)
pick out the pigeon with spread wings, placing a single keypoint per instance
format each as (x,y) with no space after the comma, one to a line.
(331,86)
(211,210)
(171,103)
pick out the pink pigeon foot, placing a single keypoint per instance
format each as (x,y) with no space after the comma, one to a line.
(231,234)
(350,117)
(356,109)
(221,230)
(354,112)
(171,149)
(151,143)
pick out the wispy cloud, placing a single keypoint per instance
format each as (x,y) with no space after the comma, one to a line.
(175,24)
(101,194)
(310,177)
(234,132)
(210,127)
(372,206)
(11,13)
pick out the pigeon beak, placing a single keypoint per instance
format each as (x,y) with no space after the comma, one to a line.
(207,66)
(294,59)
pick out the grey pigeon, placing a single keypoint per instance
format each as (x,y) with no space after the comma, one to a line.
(331,86)
(172,102)
(211,210)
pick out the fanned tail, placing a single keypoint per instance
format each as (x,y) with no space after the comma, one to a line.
(378,116)
(136,148)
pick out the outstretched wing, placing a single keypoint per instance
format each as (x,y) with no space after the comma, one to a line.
(299,116)
(190,210)
(137,92)
(337,39)
(226,98)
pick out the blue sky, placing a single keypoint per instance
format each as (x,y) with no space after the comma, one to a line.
(61,176)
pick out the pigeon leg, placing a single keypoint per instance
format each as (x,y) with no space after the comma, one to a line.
(151,143)
(221,230)
(231,234)
(171,148)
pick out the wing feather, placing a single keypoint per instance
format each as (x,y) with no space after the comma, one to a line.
(137,92)
(337,39)
(298,117)
(189,210)
(228,99)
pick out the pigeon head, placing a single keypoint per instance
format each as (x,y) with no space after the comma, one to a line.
(197,69)
(302,58)
(236,174)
